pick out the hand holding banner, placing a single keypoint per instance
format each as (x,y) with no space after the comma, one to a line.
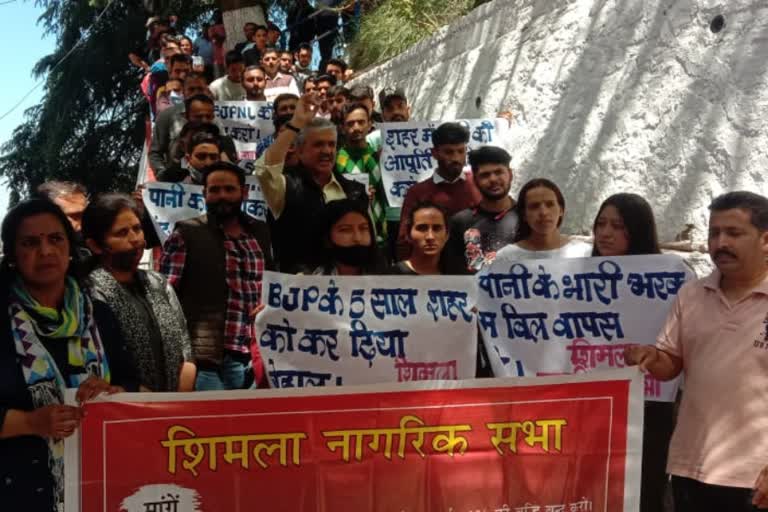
(406,151)
(333,330)
(555,317)
(248,123)
(550,444)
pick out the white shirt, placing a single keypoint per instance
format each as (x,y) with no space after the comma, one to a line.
(573,249)
(439,179)
(224,89)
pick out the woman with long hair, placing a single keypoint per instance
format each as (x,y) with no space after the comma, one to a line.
(541,209)
(625,226)
(349,241)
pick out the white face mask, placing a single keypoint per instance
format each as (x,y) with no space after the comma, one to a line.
(176,98)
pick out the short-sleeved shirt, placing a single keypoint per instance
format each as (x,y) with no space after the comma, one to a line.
(721,437)
(477,234)
(573,249)
(224,89)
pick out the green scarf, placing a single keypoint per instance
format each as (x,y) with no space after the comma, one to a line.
(73,325)
(364,161)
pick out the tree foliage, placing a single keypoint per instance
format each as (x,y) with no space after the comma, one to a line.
(89,126)
(394,25)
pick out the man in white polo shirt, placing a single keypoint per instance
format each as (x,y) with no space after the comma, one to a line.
(716,334)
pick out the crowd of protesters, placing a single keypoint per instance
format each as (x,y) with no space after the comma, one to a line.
(80,313)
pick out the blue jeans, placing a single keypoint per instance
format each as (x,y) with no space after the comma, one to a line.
(230,375)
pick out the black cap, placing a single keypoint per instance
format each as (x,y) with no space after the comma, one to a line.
(391,92)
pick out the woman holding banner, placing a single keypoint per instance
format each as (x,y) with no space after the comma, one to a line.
(427,233)
(541,208)
(141,303)
(625,226)
(350,244)
(50,343)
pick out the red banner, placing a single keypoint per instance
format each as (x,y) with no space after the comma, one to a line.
(560,444)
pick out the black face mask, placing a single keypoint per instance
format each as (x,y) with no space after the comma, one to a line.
(224,210)
(125,261)
(354,256)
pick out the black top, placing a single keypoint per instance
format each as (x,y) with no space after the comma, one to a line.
(476,235)
(297,236)
(239,46)
(252,57)
(401,269)
(25,479)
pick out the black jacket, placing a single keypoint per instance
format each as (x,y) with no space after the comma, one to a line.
(203,290)
(297,236)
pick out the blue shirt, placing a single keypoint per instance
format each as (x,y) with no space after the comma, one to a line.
(204,48)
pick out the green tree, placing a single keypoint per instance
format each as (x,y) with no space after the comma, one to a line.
(392,26)
(90,124)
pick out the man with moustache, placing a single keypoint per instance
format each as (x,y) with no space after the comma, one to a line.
(394,105)
(358,156)
(477,233)
(302,66)
(717,331)
(322,85)
(394,109)
(254,83)
(286,63)
(276,79)
(216,263)
(338,97)
(448,187)
(297,197)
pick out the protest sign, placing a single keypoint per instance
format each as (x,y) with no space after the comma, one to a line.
(169,203)
(406,151)
(271,93)
(561,316)
(558,444)
(248,123)
(332,330)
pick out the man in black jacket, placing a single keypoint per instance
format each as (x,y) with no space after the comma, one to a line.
(216,264)
(297,196)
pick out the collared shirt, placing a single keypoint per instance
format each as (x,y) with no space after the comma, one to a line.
(720,437)
(272,181)
(244,267)
(437,179)
(280,84)
(280,80)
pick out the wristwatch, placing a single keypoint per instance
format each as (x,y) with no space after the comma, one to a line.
(291,127)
